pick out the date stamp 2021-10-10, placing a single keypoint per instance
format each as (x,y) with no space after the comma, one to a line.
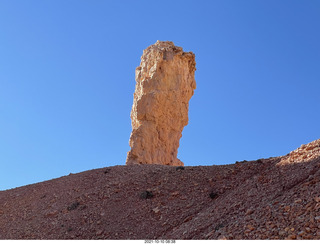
(160,241)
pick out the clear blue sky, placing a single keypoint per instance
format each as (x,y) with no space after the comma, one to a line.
(67,80)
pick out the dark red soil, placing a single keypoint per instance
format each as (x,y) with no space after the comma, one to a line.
(275,198)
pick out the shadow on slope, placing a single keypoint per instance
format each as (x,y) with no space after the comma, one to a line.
(263,199)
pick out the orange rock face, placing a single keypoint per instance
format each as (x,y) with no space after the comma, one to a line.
(164,85)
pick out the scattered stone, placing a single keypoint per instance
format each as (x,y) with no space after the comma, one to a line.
(175,193)
(187,219)
(250,227)
(210,233)
(146,195)
(213,195)
(156,210)
(249,211)
(291,237)
(52,213)
(164,85)
(73,206)
(287,208)
(298,200)
(218,227)
(222,237)
(179,168)
(282,233)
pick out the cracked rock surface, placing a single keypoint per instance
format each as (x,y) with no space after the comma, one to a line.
(164,85)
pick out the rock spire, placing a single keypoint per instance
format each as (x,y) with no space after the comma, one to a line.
(164,85)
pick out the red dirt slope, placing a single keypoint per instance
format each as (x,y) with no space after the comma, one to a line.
(275,198)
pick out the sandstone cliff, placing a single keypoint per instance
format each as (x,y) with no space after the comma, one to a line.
(164,85)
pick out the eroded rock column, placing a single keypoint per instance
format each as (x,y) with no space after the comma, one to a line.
(164,85)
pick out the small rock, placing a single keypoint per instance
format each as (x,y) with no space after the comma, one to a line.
(156,210)
(317,218)
(250,227)
(52,214)
(213,195)
(291,237)
(146,195)
(287,208)
(249,211)
(298,200)
(99,232)
(310,208)
(179,168)
(273,226)
(73,206)
(317,199)
(218,227)
(175,193)
(222,237)
(210,233)
(190,218)
(282,232)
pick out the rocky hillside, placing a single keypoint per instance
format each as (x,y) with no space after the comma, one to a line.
(274,198)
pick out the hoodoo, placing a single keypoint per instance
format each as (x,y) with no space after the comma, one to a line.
(164,85)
